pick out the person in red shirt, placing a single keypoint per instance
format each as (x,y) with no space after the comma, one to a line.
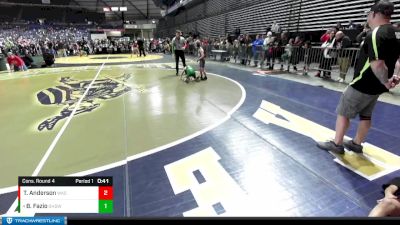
(325,37)
(15,62)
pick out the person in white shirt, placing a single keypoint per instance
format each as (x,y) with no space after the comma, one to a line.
(178,47)
(275,28)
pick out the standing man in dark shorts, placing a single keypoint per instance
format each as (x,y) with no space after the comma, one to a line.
(178,47)
(373,75)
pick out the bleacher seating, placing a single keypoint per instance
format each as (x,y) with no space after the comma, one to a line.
(210,17)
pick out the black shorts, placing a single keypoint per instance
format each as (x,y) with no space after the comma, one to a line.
(202,63)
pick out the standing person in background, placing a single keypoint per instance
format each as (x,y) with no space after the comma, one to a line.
(287,55)
(178,47)
(134,49)
(272,52)
(307,49)
(242,49)
(257,48)
(296,52)
(266,42)
(374,74)
(361,36)
(342,43)
(282,43)
(328,54)
(140,43)
(249,49)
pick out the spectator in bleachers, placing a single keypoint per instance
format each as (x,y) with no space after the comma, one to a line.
(75,48)
(205,42)
(325,37)
(338,26)
(61,50)
(48,57)
(216,43)
(275,28)
(28,60)
(224,44)
(342,43)
(86,49)
(351,25)
(336,29)
(153,46)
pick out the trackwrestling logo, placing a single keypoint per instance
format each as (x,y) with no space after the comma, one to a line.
(54,220)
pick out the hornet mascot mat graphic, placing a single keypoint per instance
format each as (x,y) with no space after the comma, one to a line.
(70,91)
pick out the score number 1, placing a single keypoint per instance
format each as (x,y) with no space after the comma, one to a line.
(105,199)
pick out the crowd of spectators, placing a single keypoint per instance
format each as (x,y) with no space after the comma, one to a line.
(52,41)
(276,46)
